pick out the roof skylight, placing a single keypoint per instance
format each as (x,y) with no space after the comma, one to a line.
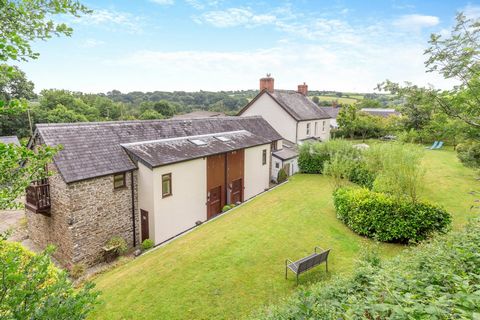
(222,138)
(198,142)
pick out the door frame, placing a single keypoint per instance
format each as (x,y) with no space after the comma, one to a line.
(144,230)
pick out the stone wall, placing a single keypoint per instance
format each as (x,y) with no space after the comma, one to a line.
(84,216)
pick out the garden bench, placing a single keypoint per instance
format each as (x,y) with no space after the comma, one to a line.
(307,263)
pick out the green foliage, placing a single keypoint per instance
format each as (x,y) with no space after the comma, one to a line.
(435,280)
(281,176)
(118,244)
(469,154)
(147,244)
(398,169)
(226,208)
(150,115)
(387,218)
(312,156)
(25,21)
(31,287)
(19,166)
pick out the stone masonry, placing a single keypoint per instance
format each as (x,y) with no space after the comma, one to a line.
(84,216)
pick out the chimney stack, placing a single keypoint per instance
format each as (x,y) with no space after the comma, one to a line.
(303,89)
(267,83)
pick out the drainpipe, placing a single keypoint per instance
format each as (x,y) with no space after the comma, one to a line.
(133,209)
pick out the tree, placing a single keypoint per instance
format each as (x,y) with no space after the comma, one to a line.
(316,100)
(15,85)
(150,115)
(346,120)
(458,58)
(164,108)
(368,103)
(367,125)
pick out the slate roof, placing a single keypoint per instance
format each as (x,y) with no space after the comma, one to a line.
(300,107)
(93,149)
(168,151)
(10,139)
(289,151)
(331,111)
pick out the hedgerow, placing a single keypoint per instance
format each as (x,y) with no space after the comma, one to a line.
(388,218)
(439,279)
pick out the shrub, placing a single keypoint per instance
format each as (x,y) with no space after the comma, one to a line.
(77,270)
(147,244)
(387,218)
(119,244)
(281,176)
(469,154)
(312,156)
(362,175)
(226,208)
(435,280)
(397,167)
(33,288)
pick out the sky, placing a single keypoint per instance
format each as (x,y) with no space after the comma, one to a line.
(191,45)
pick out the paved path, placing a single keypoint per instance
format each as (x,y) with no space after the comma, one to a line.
(10,219)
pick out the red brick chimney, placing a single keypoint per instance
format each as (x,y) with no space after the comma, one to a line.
(303,89)
(267,83)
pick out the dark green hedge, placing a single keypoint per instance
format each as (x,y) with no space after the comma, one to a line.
(387,218)
(435,280)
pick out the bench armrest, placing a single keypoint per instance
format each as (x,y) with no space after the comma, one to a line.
(287,261)
(321,250)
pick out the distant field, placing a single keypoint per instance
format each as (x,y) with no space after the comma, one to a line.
(342,100)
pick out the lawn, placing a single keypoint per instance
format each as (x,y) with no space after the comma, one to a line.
(235,264)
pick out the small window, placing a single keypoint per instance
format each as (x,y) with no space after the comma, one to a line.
(323,126)
(166,185)
(223,139)
(198,142)
(274,146)
(277,165)
(316,128)
(264,157)
(119,181)
(308,129)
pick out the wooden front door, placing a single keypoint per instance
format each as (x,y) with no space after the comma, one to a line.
(144,219)
(237,191)
(215,201)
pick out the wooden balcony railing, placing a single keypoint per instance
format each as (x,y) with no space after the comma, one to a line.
(38,197)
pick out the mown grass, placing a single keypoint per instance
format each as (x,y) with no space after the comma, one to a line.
(227,268)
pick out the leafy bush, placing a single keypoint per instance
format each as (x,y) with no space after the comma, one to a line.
(387,218)
(226,208)
(435,280)
(33,288)
(312,156)
(147,244)
(281,176)
(362,175)
(119,244)
(469,154)
(77,270)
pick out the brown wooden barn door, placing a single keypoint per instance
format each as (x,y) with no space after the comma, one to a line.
(235,175)
(144,219)
(215,184)
(237,191)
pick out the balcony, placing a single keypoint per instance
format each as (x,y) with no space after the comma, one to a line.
(38,197)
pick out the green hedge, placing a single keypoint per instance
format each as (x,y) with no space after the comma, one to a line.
(435,280)
(387,218)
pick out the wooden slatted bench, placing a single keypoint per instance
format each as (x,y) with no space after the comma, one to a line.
(307,263)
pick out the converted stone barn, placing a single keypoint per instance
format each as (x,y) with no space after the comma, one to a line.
(143,179)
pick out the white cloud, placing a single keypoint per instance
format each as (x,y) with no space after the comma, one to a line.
(234,17)
(163,2)
(202,4)
(415,21)
(471,11)
(112,19)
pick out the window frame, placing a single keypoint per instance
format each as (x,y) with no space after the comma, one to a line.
(124,184)
(308,129)
(323,126)
(170,193)
(264,157)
